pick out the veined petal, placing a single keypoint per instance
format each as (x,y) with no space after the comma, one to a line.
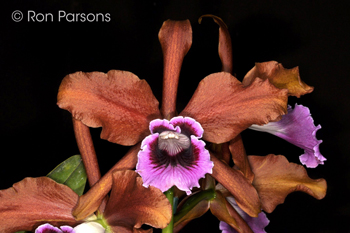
(257,224)
(119,102)
(224,107)
(132,205)
(36,201)
(48,228)
(279,76)
(182,170)
(297,127)
(175,38)
(275,178)
(240,158)
(233,180)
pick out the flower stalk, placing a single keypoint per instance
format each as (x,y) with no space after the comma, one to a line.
(170,196)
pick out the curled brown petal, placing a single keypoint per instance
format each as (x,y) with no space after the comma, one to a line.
(224,211)
(119,102)
(90,201)
(224,107)
(244,193)
(275,178)
(131,205)
(279,76)
(240,158)
(35,201)
(225,45)
(176,39)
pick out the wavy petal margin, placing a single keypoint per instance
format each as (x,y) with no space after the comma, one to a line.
(275,178)
(119,102)
(279,76)
(224,107)
(48,228)
(131,205)
(36,201)
(297,127)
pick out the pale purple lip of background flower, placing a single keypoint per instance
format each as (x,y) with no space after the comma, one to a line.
(297,127)
(256,224)
(176,163)
(47,228)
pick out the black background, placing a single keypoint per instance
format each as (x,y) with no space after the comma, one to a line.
(314,35)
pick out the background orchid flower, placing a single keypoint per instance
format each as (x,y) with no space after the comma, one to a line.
(36,201)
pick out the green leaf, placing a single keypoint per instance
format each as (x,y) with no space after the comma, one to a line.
(71,172)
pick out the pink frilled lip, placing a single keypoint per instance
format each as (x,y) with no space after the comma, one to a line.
(297,127)
(187,169)
(48,228)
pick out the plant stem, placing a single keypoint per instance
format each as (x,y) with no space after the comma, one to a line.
(170,195)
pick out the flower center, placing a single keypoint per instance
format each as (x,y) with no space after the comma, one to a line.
(173,142)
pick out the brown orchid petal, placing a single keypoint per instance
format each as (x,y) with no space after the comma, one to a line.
(279,76)
(240,158)
(221,151)
(90,201)
(275,178)
(244,193)
(119,102)
(201,208)
(224,107)
(88,154)
(207,183)
(132,205)
(87,151)
(176,39)
(225,46)
(35,201)
(224,211)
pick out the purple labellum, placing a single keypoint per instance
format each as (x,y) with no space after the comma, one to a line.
(297,127)
(257,224)
(174,155)
(47,228)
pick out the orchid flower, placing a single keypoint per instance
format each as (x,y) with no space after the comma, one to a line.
(44,205)
(124,106)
